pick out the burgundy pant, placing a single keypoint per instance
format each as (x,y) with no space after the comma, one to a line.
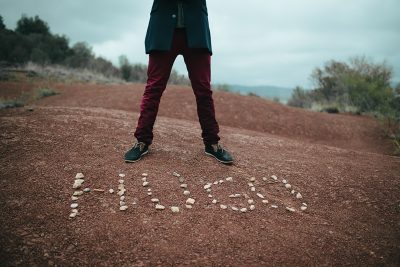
(198,64)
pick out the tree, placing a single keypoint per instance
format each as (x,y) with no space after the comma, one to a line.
(125,67)
(300,98)
(81,56)
(2,26)
(31,25)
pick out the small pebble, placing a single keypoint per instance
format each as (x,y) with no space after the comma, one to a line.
(207,186)
(184,185)
(252,207)
(216,182)
(122,198)
(148,189)
(144,179)
(234,208)
(98,190)
(299,196)
(122,208)
(122,203)
(186,192)
(208,190)
(121,175)
(145,174)
(74,198)
(288,186)
(221,181)
(74,205)
(160,207)
(145,184)
(274,206)
(176,174)
(175,209)
(224,207)
(155,200)
(149,193)
(273,177)
(265,201)
(303,208)
(215,201)
(252,179)
(121,192)
(250,184)
(292,192)
(78,183)
(253,189)
(243,210)
(78,193)
(250,201)
(229,179)
(188,206)
(111,191)
(86,190)
(73,215)
(304,204)
(290,209)
(284,181)
(265,178)
(190,201)
(121,181)
(210,196)
(260,195)
(74,210)
(79,175)
(181,179)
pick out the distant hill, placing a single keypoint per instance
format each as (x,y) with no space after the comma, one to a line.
(267,91)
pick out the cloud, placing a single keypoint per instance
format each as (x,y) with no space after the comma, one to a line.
(255,42)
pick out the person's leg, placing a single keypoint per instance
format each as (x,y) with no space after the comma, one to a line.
(158,72)
(198,63)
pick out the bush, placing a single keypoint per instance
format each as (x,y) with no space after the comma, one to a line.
(45,92)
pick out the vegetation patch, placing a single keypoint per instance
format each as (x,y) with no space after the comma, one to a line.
(45,92)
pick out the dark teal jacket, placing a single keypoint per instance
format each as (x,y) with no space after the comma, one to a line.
(162,24)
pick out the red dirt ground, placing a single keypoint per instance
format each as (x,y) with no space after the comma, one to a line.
(340,164)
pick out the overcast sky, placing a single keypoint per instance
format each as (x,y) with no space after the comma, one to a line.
(255,42)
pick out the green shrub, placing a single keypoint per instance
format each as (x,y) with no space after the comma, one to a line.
(45,92)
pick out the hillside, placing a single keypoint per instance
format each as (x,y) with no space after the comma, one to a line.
(339,163)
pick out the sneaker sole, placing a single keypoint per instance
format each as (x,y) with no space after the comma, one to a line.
(133,161)
(224,162)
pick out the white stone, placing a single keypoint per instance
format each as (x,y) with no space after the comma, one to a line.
(175,209)
(253,189)
(146,184)
(121,192)
(250,201)
(292,192)
(74,205)
(304,204)
(122,198)
(121,186)
(252,179)
(78,183)
(121,181)
(215,201)
(122,208)
(208,190)
(86,190)
(210,196)
(265,201)
(186,192)
(190,201)
(188,206)
(260,195)
(216,182)
(160,207)
(221,181)
(229,179)
(148,189)
(111,191)
(74,210)
(303,208)
(290,209)
(252,207)
(250,184)
(78,193)
(74,198)
(273,177)
(144,179)
(234,208)
(183,185)
(155,200)
(288,186)
(243,210)
(176,174)
(274,206)
(298,195)
(79,175)
(235,196)
(284,181)
(121,175)
(122,203)
(181,179)
(145,174)
(224,207)
(149,193)
(207,186)
(73,215)
(265,178)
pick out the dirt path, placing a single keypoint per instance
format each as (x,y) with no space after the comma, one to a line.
(353,199)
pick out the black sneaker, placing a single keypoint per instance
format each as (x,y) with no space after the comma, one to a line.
(219,153)
(136,152)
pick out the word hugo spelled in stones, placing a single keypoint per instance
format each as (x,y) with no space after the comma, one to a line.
(250,203)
